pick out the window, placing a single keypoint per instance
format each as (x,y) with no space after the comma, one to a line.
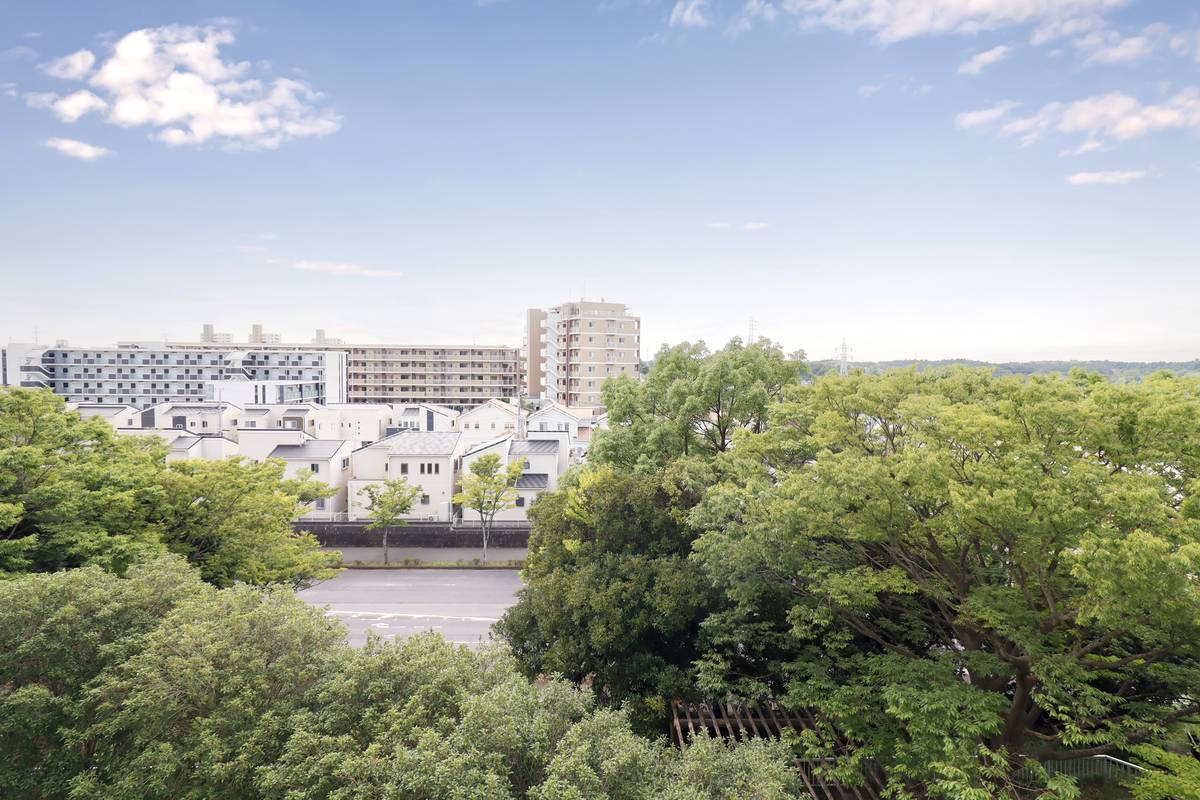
(404,469)
(321,504)
(345,463)
(422,467)
(424,499)
(437,469)
(315,467)
(520,501)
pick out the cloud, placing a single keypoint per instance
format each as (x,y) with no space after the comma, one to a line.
(74,67)
(1110,178)
(689,14)
(1112,117)
(894,20)
(753,11)
(984,116)
(9,89)
(343,268)
(869,89)
(19,53)
(77,149)
(174,80)
(69,108)
(755,226)
(976,63)
(1107,46)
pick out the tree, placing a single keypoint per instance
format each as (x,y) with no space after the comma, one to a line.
(390,501)
(610,594)
(692,402)
(489,489)
(233,520)
(73,492)
(58,632)
(958,573)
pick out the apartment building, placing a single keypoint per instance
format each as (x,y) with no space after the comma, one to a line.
(456,377)
(144,374)
(572,348)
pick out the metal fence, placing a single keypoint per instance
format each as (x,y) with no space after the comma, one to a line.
(344,516)
(1104,768)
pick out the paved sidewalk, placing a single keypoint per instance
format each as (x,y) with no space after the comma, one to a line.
(398,554)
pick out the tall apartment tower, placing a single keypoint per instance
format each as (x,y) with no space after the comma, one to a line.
(572,348)
(259,336)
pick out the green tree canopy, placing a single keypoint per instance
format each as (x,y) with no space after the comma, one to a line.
(158,685)
(692,401)
(390,501)
(957,570)
(610,593)
(73,492)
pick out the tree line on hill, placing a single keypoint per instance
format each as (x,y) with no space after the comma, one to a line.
(1114,371)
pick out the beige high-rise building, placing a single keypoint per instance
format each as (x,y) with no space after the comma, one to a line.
(572,348)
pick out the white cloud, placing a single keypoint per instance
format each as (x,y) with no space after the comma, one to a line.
(1107,46)
(894,20)
(752,11)
(1109,117)
(9,89)
(1110,178)
(174,80)
(19,53)
(869,89)
(689,14)
(984,116)
(74,67)
(976,63)
(77,149)
(69,108)
(343,268)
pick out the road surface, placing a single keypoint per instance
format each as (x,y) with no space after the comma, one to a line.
(460,604)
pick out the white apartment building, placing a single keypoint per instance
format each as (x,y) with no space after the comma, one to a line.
(146,374)
(572,348)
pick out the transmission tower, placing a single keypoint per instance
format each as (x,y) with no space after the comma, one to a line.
(843,359)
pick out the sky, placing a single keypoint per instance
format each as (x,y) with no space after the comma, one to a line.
(990,179)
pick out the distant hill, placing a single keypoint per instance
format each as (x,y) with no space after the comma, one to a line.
(1116,371)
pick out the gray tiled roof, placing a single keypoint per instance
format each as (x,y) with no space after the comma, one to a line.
(534,447)
(317,448)
(533,480)
(423,443)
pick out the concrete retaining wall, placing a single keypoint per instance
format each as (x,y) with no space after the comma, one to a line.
(417,534)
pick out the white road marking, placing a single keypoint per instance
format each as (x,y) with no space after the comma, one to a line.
(398,615)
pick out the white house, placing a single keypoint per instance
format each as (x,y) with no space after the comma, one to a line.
(427,459)
(546,456)
(485,422)
(182,446)
(327,460)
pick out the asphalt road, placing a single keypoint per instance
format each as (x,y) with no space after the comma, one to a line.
(460,604)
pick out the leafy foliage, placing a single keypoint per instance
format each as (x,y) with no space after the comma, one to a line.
(75,493)
(489,488)
(177,689)
(389,502)
(961,572)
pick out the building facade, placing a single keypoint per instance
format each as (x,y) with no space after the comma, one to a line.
(146,374)
(572,348)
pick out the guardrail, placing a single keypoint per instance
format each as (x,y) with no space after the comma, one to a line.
(1106,768)
(344,517)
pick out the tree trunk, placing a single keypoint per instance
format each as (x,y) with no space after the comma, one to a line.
(486,528)
(385,546)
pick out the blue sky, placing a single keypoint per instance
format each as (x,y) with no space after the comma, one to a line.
(993,179)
